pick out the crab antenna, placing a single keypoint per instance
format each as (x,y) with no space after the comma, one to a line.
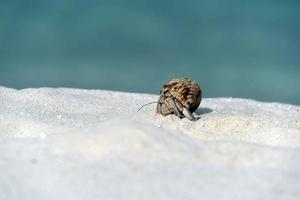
(146,105)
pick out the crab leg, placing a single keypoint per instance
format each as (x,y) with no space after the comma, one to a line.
(188,114)
(176,108)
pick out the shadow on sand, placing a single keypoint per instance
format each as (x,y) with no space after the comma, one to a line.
(201,111)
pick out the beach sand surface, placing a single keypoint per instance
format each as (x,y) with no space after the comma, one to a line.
(59,143)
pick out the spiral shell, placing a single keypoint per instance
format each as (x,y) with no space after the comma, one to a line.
(181,96)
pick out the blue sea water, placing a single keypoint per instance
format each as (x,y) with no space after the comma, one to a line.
(248,49)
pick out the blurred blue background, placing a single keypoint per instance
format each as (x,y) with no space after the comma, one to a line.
(248,49)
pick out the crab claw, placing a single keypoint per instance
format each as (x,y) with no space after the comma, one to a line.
(188,114)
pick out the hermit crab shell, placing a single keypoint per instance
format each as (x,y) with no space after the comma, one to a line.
(181,96)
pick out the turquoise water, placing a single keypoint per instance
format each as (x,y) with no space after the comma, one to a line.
(232,48)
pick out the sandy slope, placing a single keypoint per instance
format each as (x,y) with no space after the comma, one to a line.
(87,144)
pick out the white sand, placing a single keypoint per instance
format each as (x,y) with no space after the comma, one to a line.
(92,144)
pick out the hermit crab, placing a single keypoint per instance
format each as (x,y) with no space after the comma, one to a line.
(180,96)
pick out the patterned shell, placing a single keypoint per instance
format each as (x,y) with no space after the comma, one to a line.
(186,91)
